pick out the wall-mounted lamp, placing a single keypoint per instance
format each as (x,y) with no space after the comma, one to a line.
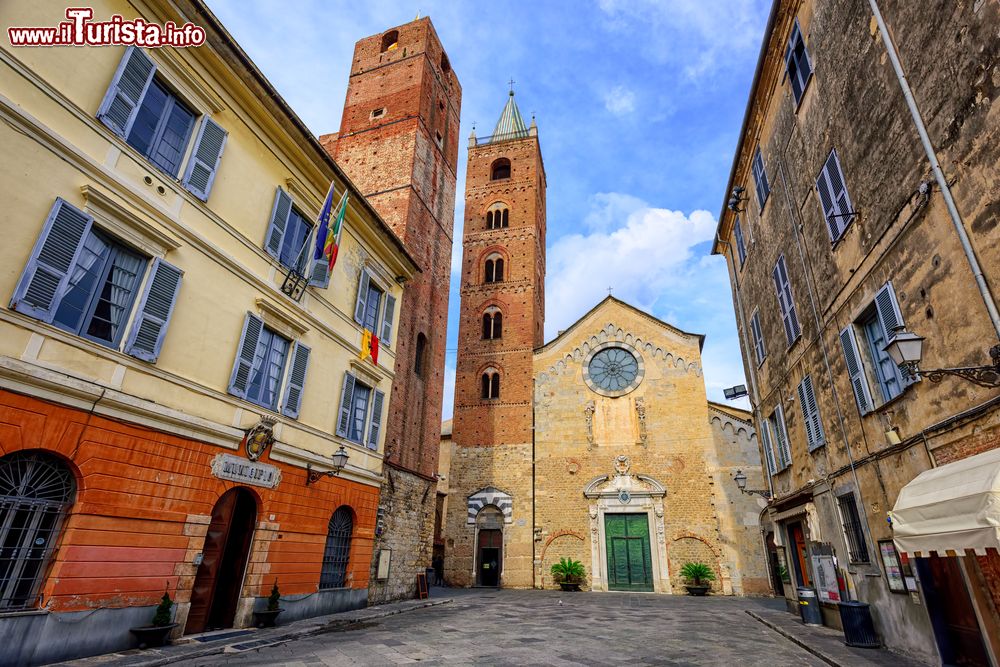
(732,393)
(400,279)
(741,482)
(339,462)
(735,197)
(906,350)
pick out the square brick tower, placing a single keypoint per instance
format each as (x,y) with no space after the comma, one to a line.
(398,142)
(502,317)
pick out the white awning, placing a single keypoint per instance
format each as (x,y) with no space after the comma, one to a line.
(950,508)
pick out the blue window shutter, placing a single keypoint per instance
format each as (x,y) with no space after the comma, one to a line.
(758,338)
(279,221)
(888,311)
(785,301)
(156,305)
(856,370)
(827,204)
(781,435)
(362,302)
(296,381)
(252,328)
(205,158)
(390,311)
(803,404)
(765,432)
(741,248)
(48,270)
(810,413)
(121,102)
(835,201)
(346,399)
(760,178)
(319,271)
(376,425)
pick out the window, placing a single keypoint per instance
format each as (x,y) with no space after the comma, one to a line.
(876,325)
(141,109)
(390,41)
(741,248)
(368,308)
(856,546)
(760,179)
(261,360)
(490,382)
(758,338)
(492,324)
(36,489)
(833,198)
(337,552)
(810,414)
(786,303)
(777,430)
(500,169)
(420,354)
(797,63)
(497,217)
(287,234)
(445,65)
(85,281)
(293,253)
(360,407)
(378,113)
(493,271)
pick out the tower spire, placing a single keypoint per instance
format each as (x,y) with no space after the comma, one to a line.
(511,124)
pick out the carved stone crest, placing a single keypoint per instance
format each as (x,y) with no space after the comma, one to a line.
(259,438)
(622,464)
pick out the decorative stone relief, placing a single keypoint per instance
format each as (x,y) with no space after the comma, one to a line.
(640,410)
(588,415)
(622,464)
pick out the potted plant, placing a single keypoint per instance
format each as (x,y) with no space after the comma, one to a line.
(156,633)
(568,573)
(267,617)
(697,573)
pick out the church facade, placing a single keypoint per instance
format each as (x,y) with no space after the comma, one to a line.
(600,446)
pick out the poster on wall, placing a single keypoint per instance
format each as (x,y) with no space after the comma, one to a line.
(893,566)
(825,568)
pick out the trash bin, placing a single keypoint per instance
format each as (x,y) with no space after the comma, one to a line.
(859,630)
(809,607)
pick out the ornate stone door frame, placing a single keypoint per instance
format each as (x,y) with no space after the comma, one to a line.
(623,493)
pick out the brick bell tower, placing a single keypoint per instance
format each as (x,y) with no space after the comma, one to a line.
(502,317)
(398,142)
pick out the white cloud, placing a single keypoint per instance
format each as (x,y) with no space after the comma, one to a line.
(619,101)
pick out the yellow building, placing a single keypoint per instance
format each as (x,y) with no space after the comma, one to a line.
(162,400)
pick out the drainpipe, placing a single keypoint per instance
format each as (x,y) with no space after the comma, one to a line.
(956,217)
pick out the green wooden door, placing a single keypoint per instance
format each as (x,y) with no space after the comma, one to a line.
(630,567)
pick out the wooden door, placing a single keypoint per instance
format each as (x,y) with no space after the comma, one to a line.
(956,627)
(800,556)
(630,566)
(216,588)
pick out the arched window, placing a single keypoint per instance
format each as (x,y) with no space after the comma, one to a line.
(390,40)
(492,324)
(338,549)
(489,220)
(418,357)
(500,169)
(490,384)
(505,221)
(36,489)
(493,270)
(497,216)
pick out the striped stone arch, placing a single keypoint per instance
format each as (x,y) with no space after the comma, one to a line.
(491,496)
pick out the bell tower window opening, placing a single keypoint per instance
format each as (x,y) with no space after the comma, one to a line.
(445,65)
(497,216)
(493,270)
(490,384)
(492,324)
(421,353)
(390,41)
(500,169)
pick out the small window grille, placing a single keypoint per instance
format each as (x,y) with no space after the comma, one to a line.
(337,552)
(858,550)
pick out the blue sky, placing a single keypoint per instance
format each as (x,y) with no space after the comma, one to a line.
(638,104)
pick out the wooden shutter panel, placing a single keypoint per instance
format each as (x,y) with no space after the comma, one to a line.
(765,432)
(785,300)
(791,64)
(817,422)
(856,370)
(781,434)
(346,398)
(362,302)
(296,381)
(128,87)
(826,202)
(888,311)
(376,425)
(390,311)
(760,178)
(740,244)
(806,421)
(279,220)
(758,337)
(205,158)
(50,264)
(252,328)
(156,305)
(318,271)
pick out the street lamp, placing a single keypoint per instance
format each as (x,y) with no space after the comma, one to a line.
(906,349)
(741,482)
(339,463)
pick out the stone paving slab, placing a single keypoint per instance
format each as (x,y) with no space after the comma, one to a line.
(828,643)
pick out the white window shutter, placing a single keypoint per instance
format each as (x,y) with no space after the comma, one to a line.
(292,403)
(279,221)
(856,370)
(46,275)
(362,302)
(253,326)
(390,311)
(128,87)
(346,399)
(156,306)
(205,158)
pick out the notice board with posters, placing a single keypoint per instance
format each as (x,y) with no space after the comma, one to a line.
(825,568)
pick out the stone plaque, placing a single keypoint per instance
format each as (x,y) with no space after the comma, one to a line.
(236,469)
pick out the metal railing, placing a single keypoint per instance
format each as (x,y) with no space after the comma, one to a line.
(503,136)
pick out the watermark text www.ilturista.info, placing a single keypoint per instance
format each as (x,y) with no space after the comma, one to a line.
(79,30)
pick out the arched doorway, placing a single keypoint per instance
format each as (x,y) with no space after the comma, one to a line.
(489,546)
(217,585)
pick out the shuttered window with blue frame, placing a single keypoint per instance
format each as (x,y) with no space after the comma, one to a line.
(836,204)
(741,248)
(259,372)
(288,234)
(786,302)
(142,110)
(761,184)
(797,63)
(85,281)
(810,414)
(356,422)
(758,338)
(367,308)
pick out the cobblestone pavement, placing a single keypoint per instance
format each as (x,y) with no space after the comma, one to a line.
(502,627)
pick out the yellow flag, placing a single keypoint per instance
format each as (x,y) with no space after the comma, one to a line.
(366,344)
